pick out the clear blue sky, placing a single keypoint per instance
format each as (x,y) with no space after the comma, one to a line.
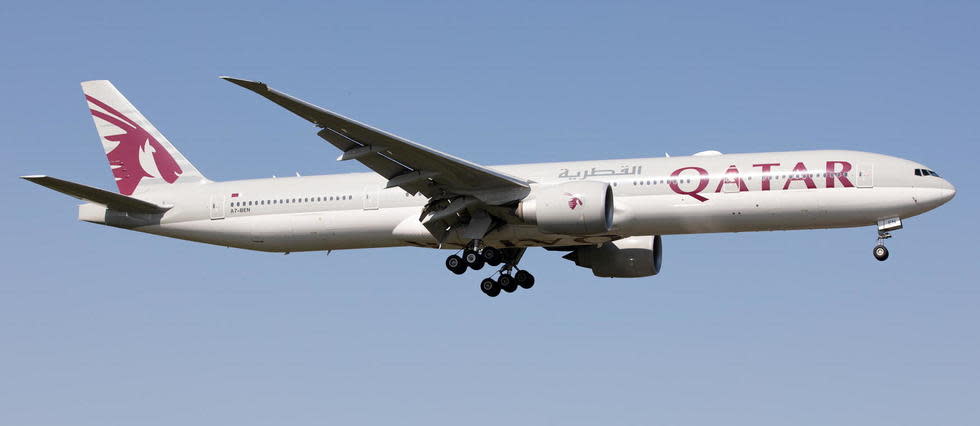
(100,326)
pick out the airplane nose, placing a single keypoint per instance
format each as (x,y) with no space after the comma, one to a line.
(932,197)
(950,191)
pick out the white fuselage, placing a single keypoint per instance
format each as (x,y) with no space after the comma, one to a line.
(653,196)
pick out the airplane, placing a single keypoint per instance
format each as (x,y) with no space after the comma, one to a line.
(605,215)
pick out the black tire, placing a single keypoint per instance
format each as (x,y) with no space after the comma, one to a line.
(492,256)
(490,287)
(455,264)
(880,252)
(473,259)
(507,283)
(524,279)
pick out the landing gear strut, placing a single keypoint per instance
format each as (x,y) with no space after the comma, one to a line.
(880,251)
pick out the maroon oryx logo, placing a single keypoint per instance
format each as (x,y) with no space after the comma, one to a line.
(125,157)
(573,201)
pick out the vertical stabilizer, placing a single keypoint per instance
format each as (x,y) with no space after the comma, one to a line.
(140,157)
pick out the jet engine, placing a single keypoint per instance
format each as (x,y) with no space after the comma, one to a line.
(631,257)
(570,208)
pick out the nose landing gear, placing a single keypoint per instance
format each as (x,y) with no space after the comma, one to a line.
(884,227)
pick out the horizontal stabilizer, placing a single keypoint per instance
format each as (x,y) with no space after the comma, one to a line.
(109,199)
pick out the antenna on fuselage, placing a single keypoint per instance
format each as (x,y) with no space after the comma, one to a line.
(666,155)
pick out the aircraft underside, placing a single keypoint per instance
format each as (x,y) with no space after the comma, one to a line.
(605,215)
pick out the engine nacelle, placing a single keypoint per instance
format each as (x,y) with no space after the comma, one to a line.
(570,208)
(631,257)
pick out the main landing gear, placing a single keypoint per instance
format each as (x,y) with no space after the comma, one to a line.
(507,282)
(474,259)
(509,278)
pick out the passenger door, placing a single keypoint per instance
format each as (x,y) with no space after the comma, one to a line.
(372,195)
(865,176)
(217,207)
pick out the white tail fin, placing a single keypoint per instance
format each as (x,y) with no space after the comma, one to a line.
(139,155)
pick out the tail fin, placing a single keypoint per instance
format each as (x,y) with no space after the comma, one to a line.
(139,155)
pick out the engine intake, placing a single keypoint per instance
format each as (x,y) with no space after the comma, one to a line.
(632,257)
(570,208)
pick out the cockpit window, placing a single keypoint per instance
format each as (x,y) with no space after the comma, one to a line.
(918,172)
(925,172)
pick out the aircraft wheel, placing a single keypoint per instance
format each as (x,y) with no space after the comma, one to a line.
(455,264)
(507,283)
(492,256)
(524,279)
(881,253)
(473,259)
(490,287)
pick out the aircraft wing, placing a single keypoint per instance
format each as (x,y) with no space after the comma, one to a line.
(406,164)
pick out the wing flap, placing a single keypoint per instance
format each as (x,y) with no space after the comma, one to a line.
(109,199)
